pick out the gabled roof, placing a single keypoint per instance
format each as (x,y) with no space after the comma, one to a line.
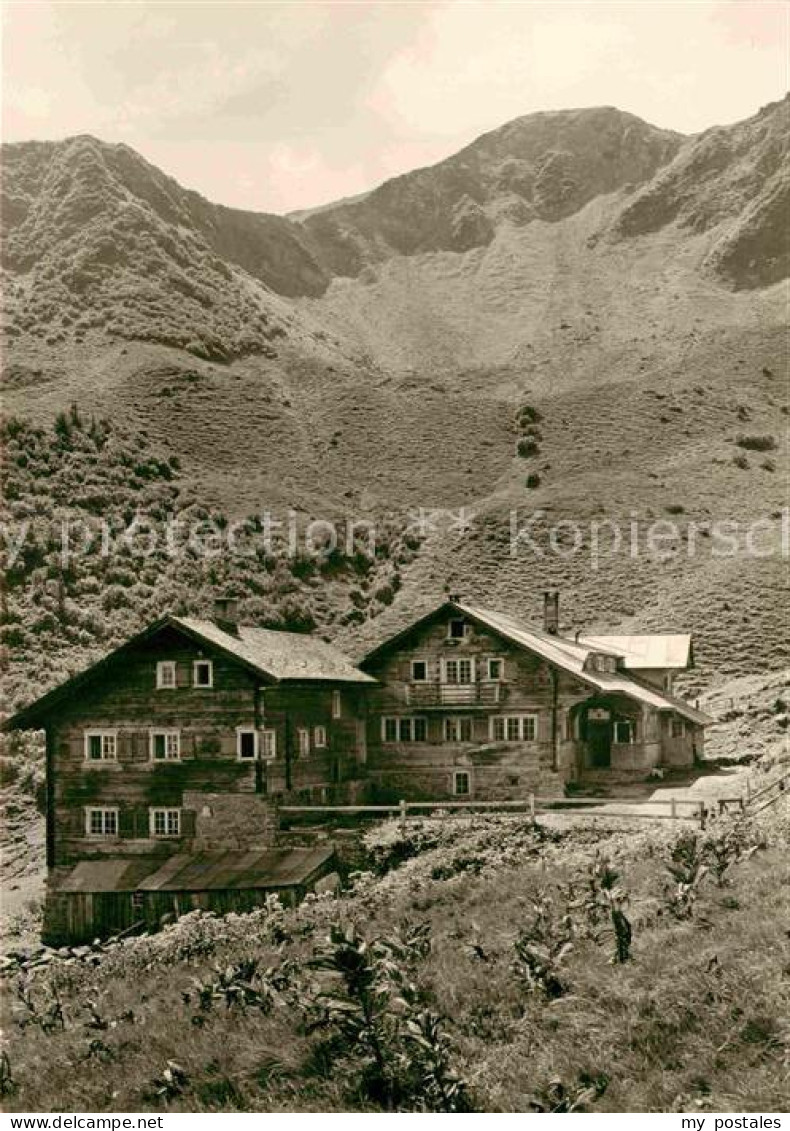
(568,655)
(658,650)
(277,655)
(272,656)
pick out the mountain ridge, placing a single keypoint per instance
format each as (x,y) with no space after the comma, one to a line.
(403,387)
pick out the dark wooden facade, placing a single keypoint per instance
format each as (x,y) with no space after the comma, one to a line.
(122,700)
(507,723)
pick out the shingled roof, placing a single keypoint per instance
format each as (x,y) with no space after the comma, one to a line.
(277,655)
(568,655)
(273,656)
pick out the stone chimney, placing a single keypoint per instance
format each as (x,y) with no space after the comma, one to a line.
(226,613)
(551,612)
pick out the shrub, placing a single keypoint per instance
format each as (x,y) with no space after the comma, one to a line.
(374,1013)
(528,414)
(527,447)
(756,443)
(532,481)
(741,461)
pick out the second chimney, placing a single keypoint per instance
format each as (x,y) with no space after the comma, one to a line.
(226,613)
(551,612)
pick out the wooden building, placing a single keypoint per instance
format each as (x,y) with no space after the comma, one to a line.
(471,703)
(166,759)
(181,741)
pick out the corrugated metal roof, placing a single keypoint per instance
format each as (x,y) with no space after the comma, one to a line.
(113,874)
(218,871)
(272,868)
(280,655)
(660,650)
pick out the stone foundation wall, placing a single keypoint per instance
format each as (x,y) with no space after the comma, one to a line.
(231,821)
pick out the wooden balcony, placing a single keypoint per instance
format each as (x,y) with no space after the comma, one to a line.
(443,695)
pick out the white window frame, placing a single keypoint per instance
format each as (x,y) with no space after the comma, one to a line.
(464,626)
(167,812)
(202,663)
(465,774)
(161,667)
(521,721)
(459,721)
(169,733)
(457,661)
(631,732)
(414,678)
(337,705)
(495,660)
(103,735)
(303,742)
(104,810)
(677,727)
(319,738)
(268,745)
(256,744)
(398,721)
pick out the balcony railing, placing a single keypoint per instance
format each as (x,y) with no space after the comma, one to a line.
(453,694)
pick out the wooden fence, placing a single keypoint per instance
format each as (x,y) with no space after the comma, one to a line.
(677,808)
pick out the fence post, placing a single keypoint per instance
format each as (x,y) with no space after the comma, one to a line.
(402,808)
(748,789)
(532,807)
(673,808)
(702,814)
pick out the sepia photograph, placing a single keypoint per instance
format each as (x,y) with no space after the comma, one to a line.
(395,523)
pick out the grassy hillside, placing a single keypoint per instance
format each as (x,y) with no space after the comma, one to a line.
(90,559)
(625,971)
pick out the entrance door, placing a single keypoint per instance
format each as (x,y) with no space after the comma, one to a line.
(599,737)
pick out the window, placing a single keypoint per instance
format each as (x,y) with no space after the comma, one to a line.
(678,728)
(419,671)
(494,669)
(602,663)
(624,731)
(459,671)
(461,783)
(458,730)
(319,737)
(165,746)
(101,822)
(337,705)
(202,673)
(247,744)
(269,745)
(101,745)
(456,629)
(165,674)
(514,728)
(405,729)
(303,741)
(164,822)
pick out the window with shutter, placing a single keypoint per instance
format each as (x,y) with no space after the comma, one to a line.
(101,745)
(164,822)
(165,746)
(101,822)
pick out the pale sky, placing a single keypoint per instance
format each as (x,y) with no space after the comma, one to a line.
(279,106)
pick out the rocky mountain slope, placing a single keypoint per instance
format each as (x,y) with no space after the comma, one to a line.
(579,314)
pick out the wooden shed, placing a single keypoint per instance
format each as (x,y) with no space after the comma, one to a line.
(98,898)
